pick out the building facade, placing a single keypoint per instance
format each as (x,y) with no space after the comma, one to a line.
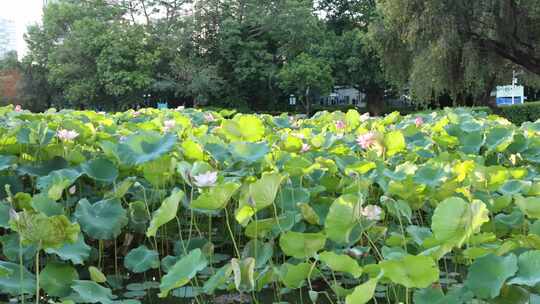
(8,36)
(342,96)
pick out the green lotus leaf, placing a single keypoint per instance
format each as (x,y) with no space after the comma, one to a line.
(13,249)
(77,252)
(472,142)
(498,139)
(301,245)
(411,271)
(341,263)
(362,293)
(121,189)
(341,218)
(488,273)
(243,271)
(43,231)
(429,175)
(56,279)
(529,269)
(4,214)
(182,272)
(44,204)
(100,169)
(529,205)
(216,197)
(91,292)
(16,283)
(260,251)
(96,275)
(309,214)
(192,150)
(144,147)
(218,280)
(45,168)
(166,212)
(57,181)
(259,195)
(244,127)
(102,220)
(454,220)
(293,276)
(141,259)
(160,171)
(394,142)
(431,295)
(6,161)
(249,152)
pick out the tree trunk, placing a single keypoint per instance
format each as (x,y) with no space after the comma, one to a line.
(375,101)
(485,98)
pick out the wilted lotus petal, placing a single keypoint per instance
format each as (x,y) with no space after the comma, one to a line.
(366,140)
(205,179)
(372,212)
(66,135)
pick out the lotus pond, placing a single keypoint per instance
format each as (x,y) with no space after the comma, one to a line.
(187,206)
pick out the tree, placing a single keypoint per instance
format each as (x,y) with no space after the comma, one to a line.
(306,75)
(456,47)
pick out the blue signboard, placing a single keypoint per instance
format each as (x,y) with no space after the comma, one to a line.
(508,100)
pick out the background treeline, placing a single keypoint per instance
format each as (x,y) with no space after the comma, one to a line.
(252,54)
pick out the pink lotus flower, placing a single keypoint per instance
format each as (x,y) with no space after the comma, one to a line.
(305,148)
(418,121)
(366,140)
(136,113)
(18,108)
(168,125)
(66,135)
(340,125)
(208,117)
(207,179)
(372,212)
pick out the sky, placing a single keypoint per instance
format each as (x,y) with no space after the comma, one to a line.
(24,13)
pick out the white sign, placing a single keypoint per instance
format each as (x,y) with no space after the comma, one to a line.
(510,91)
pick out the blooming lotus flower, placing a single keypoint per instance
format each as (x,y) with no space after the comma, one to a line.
(66,135)
(136,113)
(340,125)
(366,140)
(169,124)
(208,117)
(364,116)
(207,179)
(305,148)
(180,108)
(418,121)
(18,108)
(372,212)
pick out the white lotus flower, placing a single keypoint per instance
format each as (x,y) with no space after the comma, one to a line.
(205,179)
(169,125)
(72,189)
(372,212)
(67,135)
